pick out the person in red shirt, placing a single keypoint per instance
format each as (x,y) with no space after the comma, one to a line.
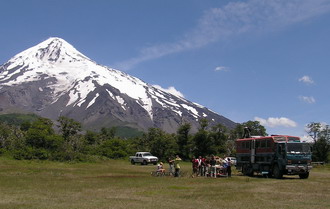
(194,162)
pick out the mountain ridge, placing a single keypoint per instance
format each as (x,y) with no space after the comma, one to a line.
(54,79)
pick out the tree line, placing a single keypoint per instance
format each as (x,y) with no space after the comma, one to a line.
(66,141)
(320,135)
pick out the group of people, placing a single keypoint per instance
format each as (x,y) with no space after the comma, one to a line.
(174,168)
(209,166)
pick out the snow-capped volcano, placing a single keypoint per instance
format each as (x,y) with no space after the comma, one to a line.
(53,79)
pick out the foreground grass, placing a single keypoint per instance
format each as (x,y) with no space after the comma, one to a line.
(117,184)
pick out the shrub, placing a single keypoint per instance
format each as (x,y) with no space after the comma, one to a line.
(29,153)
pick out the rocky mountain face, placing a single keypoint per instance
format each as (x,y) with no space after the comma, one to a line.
(53,79)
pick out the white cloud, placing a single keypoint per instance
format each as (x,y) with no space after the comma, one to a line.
(235,18)
(306,99)
(221,68)
(276,122)
(306,79)
(171,90)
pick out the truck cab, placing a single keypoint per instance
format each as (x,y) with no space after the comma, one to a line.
(293,158)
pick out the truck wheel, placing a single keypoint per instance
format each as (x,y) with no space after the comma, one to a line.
(132,162)
(144,162)
(247,170)
(277,172)
(304,175)
(270,174)
(244,170)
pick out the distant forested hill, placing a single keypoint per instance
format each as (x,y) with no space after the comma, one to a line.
(17,118)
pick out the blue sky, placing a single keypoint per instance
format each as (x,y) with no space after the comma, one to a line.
(265,60)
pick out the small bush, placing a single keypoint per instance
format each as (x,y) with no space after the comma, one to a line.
(29,153)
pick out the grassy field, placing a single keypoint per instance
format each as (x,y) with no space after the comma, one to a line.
(117,184)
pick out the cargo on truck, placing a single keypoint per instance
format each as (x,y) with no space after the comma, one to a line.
(274,155)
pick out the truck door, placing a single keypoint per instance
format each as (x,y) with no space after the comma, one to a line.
(280,153)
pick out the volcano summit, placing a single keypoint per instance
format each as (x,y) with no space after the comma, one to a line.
(53,79)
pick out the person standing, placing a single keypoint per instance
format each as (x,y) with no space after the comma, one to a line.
(194,162)
(177,166)
(200,167)
(228,167)
(171,163)
(213,162)
(207,167)
(204,166)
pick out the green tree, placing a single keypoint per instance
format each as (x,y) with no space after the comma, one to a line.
(25,125)
(114,148)
(159,143)
(321,150)
(156,142)
(256,129)
(41,141)
(92,138)
(68,127)
(219,137)
(42,135)
(183,139)
(71,149)
(108,133)
(5,131)
(314,130)
(321,141)
(203,144)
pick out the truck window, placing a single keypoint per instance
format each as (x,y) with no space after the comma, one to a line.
(297,148)
(280,138)
(257,143)
(294,139)
(246,144)
(263,143)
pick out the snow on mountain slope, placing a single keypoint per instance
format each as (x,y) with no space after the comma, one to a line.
(69,72)
(56,58)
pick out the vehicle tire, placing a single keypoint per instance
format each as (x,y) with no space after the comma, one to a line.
(155,163)
(244,170)
(277,172)
(304,175)
(132,162)
(270,174)
(144,162)
(247,170)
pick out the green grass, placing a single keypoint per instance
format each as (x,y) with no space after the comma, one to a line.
(117,184)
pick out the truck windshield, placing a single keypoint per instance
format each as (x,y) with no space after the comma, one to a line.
(298,148)
(147,154)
